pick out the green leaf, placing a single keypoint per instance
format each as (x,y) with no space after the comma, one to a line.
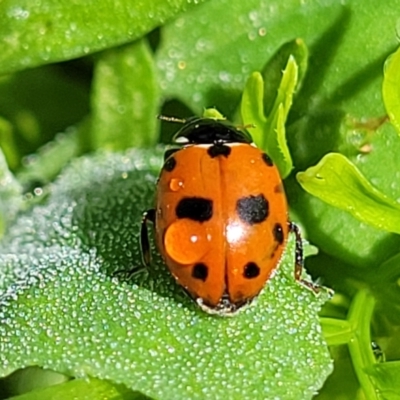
(276,143)
(355,332)
(212,113)
(29,379)
(272,71)
(269,133)
(286,89)
(43,32)
(7,143)
(125,98)
(39,103)
(336,331)
(73,316)
(10,195)
(391,88)
(82,389)
(384,282)
(203,69)
(387,378)
(252,108)
(43,166)
(338,182)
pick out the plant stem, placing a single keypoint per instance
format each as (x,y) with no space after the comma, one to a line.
(359,317)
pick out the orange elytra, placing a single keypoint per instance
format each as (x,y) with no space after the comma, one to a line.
(221,216)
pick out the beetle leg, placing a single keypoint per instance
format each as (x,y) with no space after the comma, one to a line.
(149,215)
(299,260)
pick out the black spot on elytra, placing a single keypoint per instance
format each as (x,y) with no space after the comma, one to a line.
(195,208)
(219,150)
(266,158)
(200,271)
(253,209)
(168,153)
(251,270)
(170,164)
(278,233)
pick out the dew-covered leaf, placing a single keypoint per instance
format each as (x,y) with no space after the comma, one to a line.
(63,308)
(125,98)
(35,33)
(338,182)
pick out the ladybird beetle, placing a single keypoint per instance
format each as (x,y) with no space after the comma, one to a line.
(221,216)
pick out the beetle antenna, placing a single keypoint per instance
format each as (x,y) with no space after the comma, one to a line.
(171,119)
